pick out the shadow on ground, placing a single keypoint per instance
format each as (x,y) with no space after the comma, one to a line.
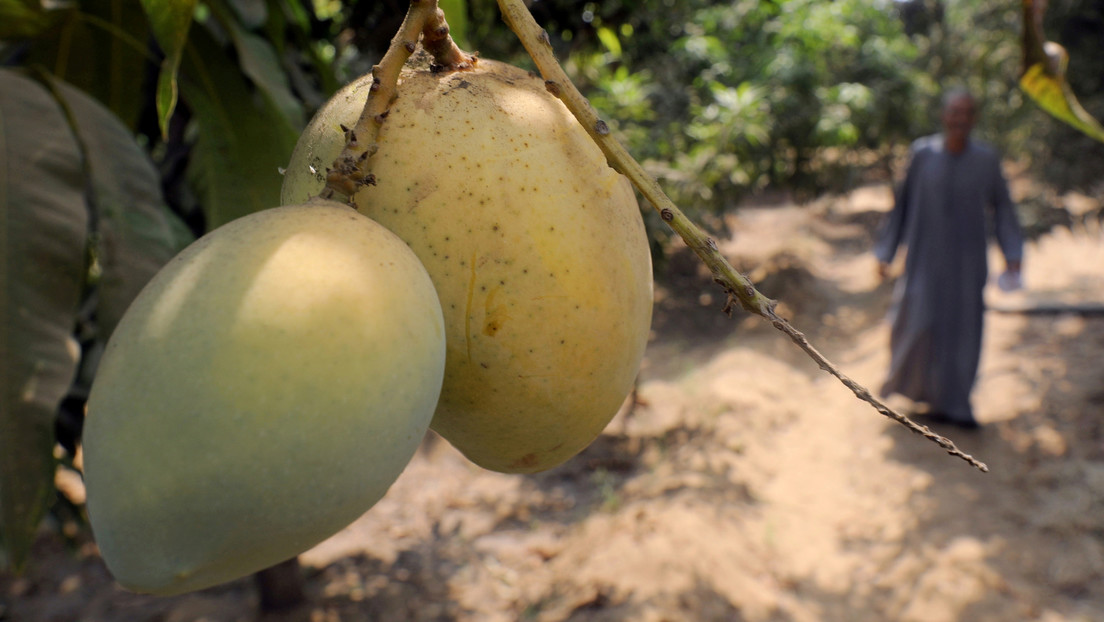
(1038,516)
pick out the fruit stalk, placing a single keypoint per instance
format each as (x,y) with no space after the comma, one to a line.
(737,286)
(425,20)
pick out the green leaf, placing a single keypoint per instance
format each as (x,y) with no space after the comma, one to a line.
(456,14)
(259,62)
(23,19)
(170,20)
(101,50)
(242,141)
(292,23)
(43,230)
(609,39)
(294,12)
(252,13)
(135,233)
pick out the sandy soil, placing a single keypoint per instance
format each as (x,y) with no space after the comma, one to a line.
(745,485)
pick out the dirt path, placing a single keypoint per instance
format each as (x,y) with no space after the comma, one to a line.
(746,485)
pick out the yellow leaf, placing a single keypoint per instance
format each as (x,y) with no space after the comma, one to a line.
(1054,95)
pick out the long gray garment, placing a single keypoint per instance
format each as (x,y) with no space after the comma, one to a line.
(944,211)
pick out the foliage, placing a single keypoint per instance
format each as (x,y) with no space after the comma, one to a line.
(726,99)
(84,223)
(36,344)
(769,94)
(233,47)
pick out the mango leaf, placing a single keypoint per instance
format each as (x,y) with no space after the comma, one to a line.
(102,51)
(23,19)
(456,14)
(1053,94)
(170,20)
(252,13)
(43,229)
(242,140)
(293,11)
(259,62)
(290,21)
(610,40)
(1043,75)
(135,233)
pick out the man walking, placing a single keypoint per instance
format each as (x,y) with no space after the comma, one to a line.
(953,194)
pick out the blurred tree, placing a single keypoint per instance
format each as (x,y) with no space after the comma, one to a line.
(723,99)
(720,100)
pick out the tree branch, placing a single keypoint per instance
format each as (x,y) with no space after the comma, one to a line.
(737,286)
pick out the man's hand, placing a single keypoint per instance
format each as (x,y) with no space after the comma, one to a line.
(883,270)
(1010,280)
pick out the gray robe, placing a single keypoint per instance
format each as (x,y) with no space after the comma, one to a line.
(944,211)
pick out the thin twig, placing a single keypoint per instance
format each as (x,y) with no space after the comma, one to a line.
(738,287)
(423,19)
(864,394)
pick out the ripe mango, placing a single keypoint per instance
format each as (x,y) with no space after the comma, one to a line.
(263,391)
(535,245)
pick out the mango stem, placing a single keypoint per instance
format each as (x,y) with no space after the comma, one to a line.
(425,21)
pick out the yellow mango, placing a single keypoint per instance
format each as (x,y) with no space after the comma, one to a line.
(535,245)
(262,392)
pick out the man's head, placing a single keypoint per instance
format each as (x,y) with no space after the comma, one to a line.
(958,118)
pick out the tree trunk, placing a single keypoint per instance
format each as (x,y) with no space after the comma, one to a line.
(281,586)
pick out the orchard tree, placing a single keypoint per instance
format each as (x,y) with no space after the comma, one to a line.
(217,94)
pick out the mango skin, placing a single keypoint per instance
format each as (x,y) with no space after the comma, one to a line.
(536,247)
(262,392)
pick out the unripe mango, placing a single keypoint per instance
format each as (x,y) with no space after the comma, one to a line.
(263,391)
(535,245)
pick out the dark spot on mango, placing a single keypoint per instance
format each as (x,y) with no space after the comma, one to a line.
(527,461)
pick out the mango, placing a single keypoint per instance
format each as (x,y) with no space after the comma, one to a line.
(262,392)
(536,247)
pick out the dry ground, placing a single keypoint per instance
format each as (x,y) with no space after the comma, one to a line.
(746,485)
